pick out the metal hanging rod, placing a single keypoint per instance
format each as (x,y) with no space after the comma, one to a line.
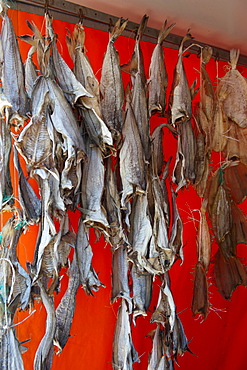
(70,12)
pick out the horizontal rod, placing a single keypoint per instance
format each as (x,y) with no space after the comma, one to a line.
(70,12)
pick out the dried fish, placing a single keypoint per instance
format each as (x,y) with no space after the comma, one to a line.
(180,97)
(12,70)
(200,302)
(132,165)
(203,241)
(6,190)
(142,292)
(176,237)
(66,308)
(124,353)
(117,236)
(92,187)
(87,275)
(140,231)
(120,267)
(158,78)
(43,353)
(234,88)
(111,85)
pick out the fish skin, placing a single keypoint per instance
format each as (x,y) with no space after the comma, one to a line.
(66,308)
(92,187)
(180,97)
(30,72)
(112,204)
(10,356)
(87,276)
(200,302)
(140,231)
(6,190)
(136,63)
(142,292)
(203,241)
(82,67)
(120,267)
(157,349)
(43,351)
(140,109)
(111,85)
(124,353)
(157,152)
(132,162)
(158,78)
(176,237)
(221,217)
(12,70)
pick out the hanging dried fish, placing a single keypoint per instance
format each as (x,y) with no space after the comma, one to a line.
(234,88)
(6,191)
(44,354)
(112,204)
(142,292)
(12,70)
(176,238)
(136,64)
(111,85)
(207,97)
(180,97)
(82,67)
(132,165)
(92,187)
(158,78)
(66,308)
(140,231)
(87,276)
(200,302)
(120,267)
(124,353)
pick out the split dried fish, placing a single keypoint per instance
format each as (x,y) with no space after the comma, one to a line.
(66,308)
(87,275)
(120,267)
(43,354)
(158,77)
(132,163)
(111,85)
(12,70)
(92,187)
(142,292)
(124,353)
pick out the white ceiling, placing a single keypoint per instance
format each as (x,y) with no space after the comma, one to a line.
(221,23)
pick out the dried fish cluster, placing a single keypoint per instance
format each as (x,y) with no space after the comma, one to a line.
(89,147)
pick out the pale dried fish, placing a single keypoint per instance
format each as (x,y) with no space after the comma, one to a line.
(158,77)
(111,85)
(124,353)
(120,267)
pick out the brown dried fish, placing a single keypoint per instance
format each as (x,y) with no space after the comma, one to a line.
(200,302)
(234,87)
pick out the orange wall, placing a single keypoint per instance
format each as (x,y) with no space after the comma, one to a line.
(219,342)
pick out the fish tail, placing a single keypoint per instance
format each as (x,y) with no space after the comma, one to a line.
(142,27)
(164,32)
(234,55)
(118,29)
(188,36)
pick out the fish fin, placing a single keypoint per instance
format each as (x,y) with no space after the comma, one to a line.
(142,27)
(118,29)
(132,66)
(187,37)
(164,32)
